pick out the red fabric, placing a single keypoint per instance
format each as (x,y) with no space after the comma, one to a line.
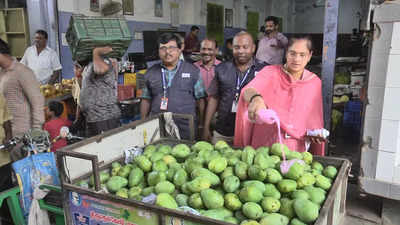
(298,104)
(53,127)
(125,92)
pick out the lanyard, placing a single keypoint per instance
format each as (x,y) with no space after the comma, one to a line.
(239,84)
(165,87)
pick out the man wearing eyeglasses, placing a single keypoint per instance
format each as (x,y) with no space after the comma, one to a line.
(173,86)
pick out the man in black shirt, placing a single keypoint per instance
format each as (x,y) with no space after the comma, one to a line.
(224,90)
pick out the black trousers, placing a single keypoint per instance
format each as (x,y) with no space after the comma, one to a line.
(95,128)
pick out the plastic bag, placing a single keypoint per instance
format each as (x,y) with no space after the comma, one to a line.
(33,171)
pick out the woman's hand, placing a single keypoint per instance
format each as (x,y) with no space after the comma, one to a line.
(256,104)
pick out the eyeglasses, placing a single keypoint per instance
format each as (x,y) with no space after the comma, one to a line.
(165,48)
(302,55)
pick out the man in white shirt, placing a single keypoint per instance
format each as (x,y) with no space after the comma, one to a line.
(42,60)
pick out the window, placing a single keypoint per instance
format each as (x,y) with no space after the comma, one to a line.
(215,22)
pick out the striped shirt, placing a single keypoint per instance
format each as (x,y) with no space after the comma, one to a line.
(25,102)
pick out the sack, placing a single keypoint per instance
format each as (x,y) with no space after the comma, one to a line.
(33,171)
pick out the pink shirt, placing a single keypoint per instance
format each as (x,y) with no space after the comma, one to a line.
(298,104)
(269,54)
(207,74)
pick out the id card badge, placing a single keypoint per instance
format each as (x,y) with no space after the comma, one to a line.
(164,103)
(234,106)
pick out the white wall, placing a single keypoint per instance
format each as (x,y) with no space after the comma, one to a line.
(311,20)
(191,11)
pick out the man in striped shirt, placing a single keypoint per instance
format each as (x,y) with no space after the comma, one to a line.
(19,86)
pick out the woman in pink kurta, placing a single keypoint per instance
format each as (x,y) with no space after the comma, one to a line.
(290,90)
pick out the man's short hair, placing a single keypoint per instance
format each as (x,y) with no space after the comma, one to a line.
(193,28)
(4,49)
(273,19)
(244,33)
(56,107)
(167,37)
(210,39)
(43,33)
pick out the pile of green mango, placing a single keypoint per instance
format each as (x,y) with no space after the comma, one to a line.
(237,186)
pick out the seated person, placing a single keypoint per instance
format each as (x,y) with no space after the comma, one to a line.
(54,124)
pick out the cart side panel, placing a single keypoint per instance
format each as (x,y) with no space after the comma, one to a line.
(110,146)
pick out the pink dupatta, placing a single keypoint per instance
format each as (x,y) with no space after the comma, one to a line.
(298,104)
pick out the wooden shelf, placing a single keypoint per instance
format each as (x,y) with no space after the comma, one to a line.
(23,33)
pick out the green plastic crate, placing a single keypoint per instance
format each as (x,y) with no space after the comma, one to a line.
(86,33)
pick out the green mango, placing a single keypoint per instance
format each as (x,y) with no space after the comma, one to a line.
(135,176)
(115,183)
(124,171)
(317,166)
(256,173)
(273,176)
(264,150)
(191,164)
(276,149)
(263,161)
(294,155)
(271,191)
(300,194)
(270,205)
(202,145)
(322,182)
(217,165)
(164,187)
(306,180)
(286,185)
(232,160)
(170,173)
(252,210)
(147,191)
(212,199)
(296,221)
(232,202)
(239,215)
(315,172)
(231,219)
(175,165)
(307,157)
(169,159)
(182,199)
(180,151)
(155,177)
(103,175)
(249,222)
(134,191)
(160,165)
(241,170)
(185,189)
(115,165)
(195,201)
(237,153)
(250,194)
(165,149)
(180,177)
(166,200)
(307,168)
(274,219)
(306,210)
(203,172)
(221,145)
(295,171)
(330,172)
(287,208)
(317,195)
(275,159)
(258,184)
(231,184)
(156,156)
(248,155)
(123,193)
(115,170)
(198,184)
(227,172)
(205,154)
(144,163)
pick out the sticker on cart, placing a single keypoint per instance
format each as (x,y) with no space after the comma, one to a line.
(81,220)
(98,211)
(75,198)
